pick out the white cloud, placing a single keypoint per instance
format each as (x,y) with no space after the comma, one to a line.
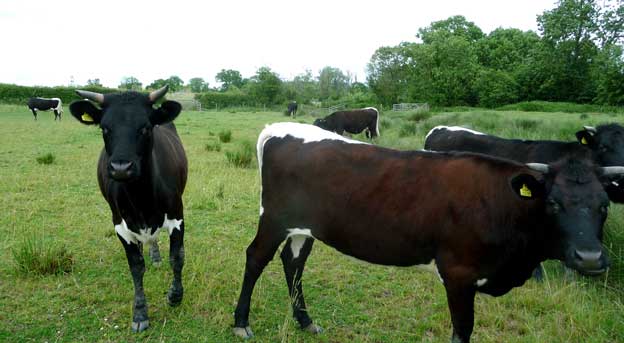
(47,42)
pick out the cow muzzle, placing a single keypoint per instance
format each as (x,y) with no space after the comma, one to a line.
(589,262)
(121,170)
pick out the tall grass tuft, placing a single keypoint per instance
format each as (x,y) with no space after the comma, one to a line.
(213,146)
(526,124)
(46,159)
(34,256)
(420,116)
(243,157)
(408,129)
(225,136)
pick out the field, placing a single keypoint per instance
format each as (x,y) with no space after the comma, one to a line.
(50,200)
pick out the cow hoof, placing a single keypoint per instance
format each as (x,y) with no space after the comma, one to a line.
(313,329)
(174,298)
(140,326)
(244,333)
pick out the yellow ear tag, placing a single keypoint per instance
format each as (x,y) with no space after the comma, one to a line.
(86,117)
(583,141)
(525,191)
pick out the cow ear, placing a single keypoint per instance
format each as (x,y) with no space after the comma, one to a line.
(586,137)
(167,112)
(526,186)
(86,112)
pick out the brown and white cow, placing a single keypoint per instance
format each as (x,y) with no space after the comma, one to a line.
(485,222)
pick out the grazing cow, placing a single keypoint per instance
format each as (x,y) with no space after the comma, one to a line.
(605,143)
(485,232)
(352,121)
(43,104)
(292,109)
(141,172)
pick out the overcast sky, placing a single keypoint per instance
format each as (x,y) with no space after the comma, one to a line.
(49,42)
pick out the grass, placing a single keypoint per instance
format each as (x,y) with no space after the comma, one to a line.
(242,157)
(34,256)
(213,146)
(46,159)
(225,136)
(352,300)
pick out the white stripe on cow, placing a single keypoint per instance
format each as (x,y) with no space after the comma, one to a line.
(298,238)
(146,235)
(452,128)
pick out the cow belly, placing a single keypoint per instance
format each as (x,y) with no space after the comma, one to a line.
(146,235)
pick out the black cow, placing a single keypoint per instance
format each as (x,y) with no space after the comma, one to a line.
(352,121)
(605,143)
(485,222)
(43,104)
(142,173)
(292,109)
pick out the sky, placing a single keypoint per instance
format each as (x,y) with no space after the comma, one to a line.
(51,43)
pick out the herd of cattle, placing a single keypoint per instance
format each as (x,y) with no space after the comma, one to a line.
(483,210)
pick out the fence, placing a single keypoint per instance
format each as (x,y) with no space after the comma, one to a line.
(410,106)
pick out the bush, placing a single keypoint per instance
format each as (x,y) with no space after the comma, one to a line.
(38,257)
(14,94)
(567,107)
(214,99)
(46,159)
(225,136)
(495,88)
(213,146)
(242,157)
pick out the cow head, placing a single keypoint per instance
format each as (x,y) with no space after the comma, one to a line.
(322,123)
(127,120)
(576,207)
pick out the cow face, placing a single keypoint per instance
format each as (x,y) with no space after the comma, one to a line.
(322,123)
(576,208)
(127,120)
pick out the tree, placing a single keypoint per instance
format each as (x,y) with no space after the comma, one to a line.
(175,83)
(303,88)
(388,72)
(94,82)
(198,85)
(333,83)
(130,83)
(456,26)
(265,86)
(156,84)
(229,78)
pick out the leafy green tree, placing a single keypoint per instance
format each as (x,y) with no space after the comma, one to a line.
(303,88)
(229,78)
(265,86)
(197,85)
(94,82)
(175,83)
(158,83)
(388,72)
(495,88)
(456,26)
(507,49)
(609,76)
(130,83)
(333,83)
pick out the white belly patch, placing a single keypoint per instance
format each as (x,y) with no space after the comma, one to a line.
(298,237)
(146,235)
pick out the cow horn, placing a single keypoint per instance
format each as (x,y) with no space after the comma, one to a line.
(590,129)
(93,96)
(159,93)
(540,167)
(612,170)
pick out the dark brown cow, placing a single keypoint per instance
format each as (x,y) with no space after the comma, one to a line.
(352,121)
(485,222)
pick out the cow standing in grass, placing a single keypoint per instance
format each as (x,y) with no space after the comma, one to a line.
(292,109)
(43,104)
(604,144)
(485,222)
(352,121)
(142,173)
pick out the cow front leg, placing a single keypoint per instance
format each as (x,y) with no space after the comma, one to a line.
(56,115)
(461,304)
(140,321)
(176,260)
(34,113)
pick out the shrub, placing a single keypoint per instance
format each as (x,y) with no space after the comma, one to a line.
(243,157)
(39,257)
(213,146)
(14,94)
(225,136)
(46,159)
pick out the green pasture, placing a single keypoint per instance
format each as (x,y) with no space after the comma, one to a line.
(55,204)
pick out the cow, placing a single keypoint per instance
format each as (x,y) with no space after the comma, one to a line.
(292,109)
(43,104)
(605,143)
(484,222)
(352,121)
(141,172)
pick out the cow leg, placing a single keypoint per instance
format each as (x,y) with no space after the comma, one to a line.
(294,256)
(140,321)
(176,260)
(154,253)
(259,253)
(538,273)
(56,115)
(461,304)
(34,113)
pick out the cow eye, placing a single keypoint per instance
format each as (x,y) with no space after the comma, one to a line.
(105,131)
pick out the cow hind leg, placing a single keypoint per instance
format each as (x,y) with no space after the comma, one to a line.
(140,320)
(461,304)
(294,256)
(34,113)
(176,260)
(259,253)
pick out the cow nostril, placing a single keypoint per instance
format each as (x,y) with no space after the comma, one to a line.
(121,166)
(587,255)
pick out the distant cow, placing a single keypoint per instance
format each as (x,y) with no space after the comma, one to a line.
(43,104)
(605,143)
(485,222)
(352,121)
(142,173)
(292,109)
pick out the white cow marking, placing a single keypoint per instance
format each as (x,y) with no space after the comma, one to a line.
(481,282)
(615,184)
(146,235)
(298,237)
(452,128)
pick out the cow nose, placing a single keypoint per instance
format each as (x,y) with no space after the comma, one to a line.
(589,260)
(121,169)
